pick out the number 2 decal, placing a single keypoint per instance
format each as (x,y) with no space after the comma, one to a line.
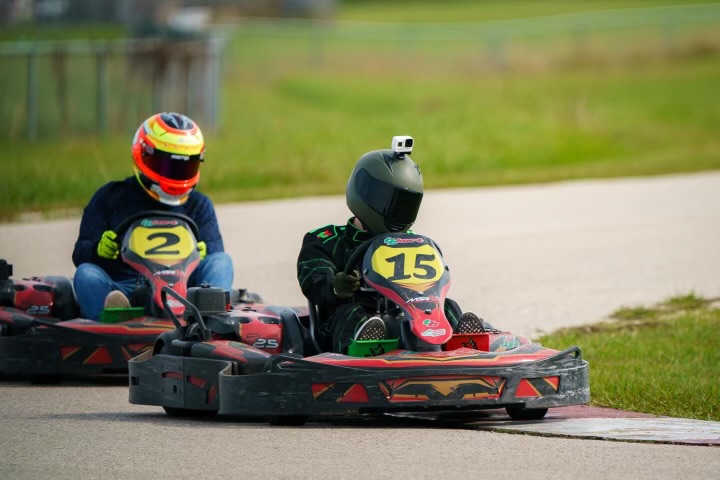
(170,239)
(163,244)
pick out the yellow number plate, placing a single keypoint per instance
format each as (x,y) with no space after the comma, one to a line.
(162,244)
(408,266)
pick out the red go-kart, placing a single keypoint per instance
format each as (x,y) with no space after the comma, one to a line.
(41,334)
(250,362)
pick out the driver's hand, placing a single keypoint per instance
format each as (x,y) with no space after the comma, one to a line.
(107,246)
(345,285)
(202,248)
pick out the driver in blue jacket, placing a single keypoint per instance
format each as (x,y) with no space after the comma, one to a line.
(167,151)
(384,193)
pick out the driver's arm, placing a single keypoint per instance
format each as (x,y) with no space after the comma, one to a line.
(208,228)
(316,272)
(95,220)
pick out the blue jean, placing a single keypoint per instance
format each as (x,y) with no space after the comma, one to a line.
(92,284)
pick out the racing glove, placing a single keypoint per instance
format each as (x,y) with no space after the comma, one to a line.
(202,248)
(345,285)
(107,246)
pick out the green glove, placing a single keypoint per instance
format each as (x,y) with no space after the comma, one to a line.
(202,248)
(345,285)
(107,246)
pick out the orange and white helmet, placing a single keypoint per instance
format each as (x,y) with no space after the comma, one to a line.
(167,151)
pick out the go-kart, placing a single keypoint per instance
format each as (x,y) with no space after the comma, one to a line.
(40,332)
(253,363)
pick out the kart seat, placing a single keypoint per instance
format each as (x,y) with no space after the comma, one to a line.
(65,306)
(292,330)
(314,320)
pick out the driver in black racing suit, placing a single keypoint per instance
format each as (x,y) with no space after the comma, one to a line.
(384,193)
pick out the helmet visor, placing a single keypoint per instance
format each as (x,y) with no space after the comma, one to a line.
(172,166)
(399,207)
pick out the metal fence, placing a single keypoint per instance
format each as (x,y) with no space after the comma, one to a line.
(76,87)
(50,89)
(665,30)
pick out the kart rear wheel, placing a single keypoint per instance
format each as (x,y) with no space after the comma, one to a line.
(287,420)
(522,413)
(188,413)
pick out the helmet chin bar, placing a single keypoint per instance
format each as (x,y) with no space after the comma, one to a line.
(154,190)
(166,198)
(397,227)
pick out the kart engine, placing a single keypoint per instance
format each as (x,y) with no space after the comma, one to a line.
(208,300)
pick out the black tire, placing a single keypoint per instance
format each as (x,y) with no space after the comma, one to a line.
(287,420)
(522,413)
(43,379)
(188,413)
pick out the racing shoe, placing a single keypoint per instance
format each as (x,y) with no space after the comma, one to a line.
(470,324)
(372,329)
(116,299)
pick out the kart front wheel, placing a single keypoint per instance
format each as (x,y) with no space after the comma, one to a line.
(44,379)
(287,420)
(189,413)
(522,413)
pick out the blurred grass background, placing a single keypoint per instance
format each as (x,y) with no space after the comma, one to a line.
(494,92)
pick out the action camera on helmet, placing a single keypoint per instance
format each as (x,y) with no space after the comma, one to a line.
(402,144)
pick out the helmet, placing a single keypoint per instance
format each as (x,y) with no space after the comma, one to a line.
(167,150)
(384,191)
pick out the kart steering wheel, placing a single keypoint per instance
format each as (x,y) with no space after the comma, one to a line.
(359,253)
(127,221)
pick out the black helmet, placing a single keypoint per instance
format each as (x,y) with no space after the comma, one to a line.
(384,191)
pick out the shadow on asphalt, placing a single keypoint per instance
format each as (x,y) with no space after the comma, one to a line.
(54,381)
(360,421)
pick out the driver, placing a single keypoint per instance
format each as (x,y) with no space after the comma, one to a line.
(167,151)
(384,193)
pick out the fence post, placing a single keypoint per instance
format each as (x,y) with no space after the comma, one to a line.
(496,43)
(316,46)
(101,100)
(32,93)
(59,67)
(212,83)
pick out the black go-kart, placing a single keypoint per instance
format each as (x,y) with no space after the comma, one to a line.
(266,362)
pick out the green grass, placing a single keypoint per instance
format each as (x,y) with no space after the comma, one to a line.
(300,133)
(31,32)
(483,10)
(299,106)
(662,360)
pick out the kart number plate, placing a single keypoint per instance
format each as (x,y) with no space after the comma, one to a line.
(162,243)
(414,264)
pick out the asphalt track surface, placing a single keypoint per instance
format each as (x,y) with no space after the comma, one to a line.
(529,259)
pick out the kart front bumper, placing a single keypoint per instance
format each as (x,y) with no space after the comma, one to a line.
(294,387)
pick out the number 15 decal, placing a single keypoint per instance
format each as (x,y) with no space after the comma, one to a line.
(408,265)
